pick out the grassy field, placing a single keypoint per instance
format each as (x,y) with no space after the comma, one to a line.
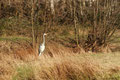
(83,41)
(61,67)
(57,63)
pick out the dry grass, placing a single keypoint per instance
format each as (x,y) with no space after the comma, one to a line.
(57,63)
(61,67)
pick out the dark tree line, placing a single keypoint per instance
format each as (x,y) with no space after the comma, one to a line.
(102,16)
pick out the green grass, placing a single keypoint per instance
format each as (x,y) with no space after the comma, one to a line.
(112,76)
(14,38)
(24,73)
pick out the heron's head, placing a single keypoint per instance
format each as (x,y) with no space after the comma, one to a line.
(45,34)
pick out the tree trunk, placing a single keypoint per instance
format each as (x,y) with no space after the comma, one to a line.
(52,7)
(75,24)
(32,21)
(9,2)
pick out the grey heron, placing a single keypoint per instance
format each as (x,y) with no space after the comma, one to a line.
(42,46)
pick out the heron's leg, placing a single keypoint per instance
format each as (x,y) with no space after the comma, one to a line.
(39,54)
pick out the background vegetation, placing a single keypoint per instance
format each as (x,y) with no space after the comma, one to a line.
(92,22)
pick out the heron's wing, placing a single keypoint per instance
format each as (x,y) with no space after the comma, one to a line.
(39,49)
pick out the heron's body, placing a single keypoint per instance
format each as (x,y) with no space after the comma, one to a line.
(41,49)
(42,46)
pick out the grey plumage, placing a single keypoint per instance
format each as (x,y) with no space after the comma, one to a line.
(42,46)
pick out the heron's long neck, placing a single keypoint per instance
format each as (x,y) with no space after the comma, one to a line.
(43,39)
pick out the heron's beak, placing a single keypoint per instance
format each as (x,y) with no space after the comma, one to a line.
(46,33)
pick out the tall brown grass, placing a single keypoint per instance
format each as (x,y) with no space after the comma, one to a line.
(56,63)
(59,67)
